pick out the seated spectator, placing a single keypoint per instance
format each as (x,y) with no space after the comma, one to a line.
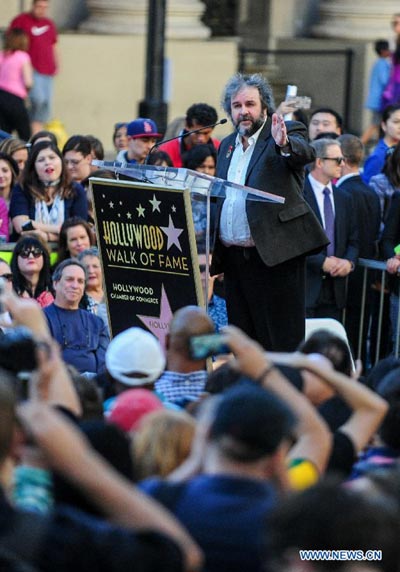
(97,150)
(9,175)
(384,452)
(391,136)
(352,411)
(6,275)
(89,394)
(142,135)
(134,358)
(387,182)
(216,305)
(162,442)
(17,150)
(135,525)
(114,446)
(119,137)
(43,135)
(94,299)
(77,153)
(132,406)
(330,517)
(198,116)
(159,159)
(184,376)
(31,274)
(227,506)
(82,336)
(46,195)
(203,159)
(75,236)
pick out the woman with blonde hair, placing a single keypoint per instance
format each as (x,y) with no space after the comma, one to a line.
(17,150)
(16,79)
(162,442)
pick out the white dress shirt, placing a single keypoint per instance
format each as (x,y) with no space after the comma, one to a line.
(234,226)
(318,188)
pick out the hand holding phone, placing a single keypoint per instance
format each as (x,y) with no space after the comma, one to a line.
(202,347)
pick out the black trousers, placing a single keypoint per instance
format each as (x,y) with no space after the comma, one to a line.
(266,302)
(14,115)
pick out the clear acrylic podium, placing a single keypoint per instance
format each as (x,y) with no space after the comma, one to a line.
(202,187)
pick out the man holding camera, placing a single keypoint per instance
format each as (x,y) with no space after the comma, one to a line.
(82,336)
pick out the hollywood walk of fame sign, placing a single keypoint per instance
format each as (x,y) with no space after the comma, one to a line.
(148,251)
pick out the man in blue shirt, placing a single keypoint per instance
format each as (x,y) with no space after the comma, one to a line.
(226,508)
(82,336)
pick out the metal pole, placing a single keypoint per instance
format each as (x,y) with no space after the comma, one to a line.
(153,105)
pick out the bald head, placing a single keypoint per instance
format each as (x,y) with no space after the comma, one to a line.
(186,322)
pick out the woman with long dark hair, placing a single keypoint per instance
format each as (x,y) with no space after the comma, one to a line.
(386,183)
(30,267)
(46,195)
(8,178)
(390,127)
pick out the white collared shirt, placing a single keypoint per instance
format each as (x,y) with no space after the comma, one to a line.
(234,226)
(345,177)
(318,188)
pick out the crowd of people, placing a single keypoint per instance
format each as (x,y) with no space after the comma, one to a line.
(121,454)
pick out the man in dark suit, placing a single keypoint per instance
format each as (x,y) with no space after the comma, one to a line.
(261,246)
(367,209)
(327,271)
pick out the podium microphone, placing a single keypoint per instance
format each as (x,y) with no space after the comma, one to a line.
(220,122)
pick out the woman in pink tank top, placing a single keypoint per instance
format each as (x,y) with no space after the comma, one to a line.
(15,82)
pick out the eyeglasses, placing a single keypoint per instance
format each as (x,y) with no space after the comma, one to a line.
(339,160)
(73,162)
(36,252)
(7,277)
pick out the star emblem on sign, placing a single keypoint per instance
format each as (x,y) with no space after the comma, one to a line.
(159,325)
(140,211)
(172,233)
(155,204)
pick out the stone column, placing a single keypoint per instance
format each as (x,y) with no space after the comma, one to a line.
(130,17)
(356,19)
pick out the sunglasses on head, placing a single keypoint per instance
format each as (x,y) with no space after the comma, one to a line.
(7,277)
(26,252)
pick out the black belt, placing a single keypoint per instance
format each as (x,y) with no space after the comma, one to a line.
(245,251)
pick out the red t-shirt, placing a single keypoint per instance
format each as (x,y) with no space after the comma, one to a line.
(173,148)
(42,38)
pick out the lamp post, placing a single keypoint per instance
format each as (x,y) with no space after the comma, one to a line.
(153,105)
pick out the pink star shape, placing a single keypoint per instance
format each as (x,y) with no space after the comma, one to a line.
(159,325)
(172,234)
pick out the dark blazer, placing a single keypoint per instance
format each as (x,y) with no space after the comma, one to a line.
(346,245)
(368,212)
(391,232)
(280,232)
(367,208)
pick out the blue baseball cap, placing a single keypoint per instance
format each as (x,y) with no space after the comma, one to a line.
(142,127)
